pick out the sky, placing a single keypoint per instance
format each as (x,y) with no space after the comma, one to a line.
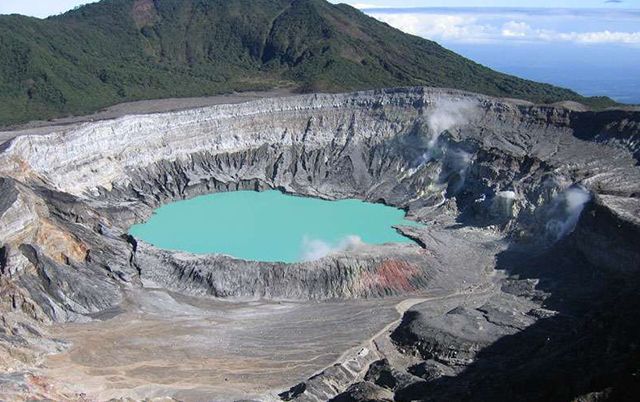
(493,3)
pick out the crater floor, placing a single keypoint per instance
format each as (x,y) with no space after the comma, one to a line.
(164,344)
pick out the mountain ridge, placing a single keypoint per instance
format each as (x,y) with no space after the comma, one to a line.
(115,51)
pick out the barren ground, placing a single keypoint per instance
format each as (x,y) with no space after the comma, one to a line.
(163,344)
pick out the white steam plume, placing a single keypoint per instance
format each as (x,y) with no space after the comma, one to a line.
(507,195)
(503,203)
(456,162)
(442,117)
(316,249)
(567,208)
(447,115)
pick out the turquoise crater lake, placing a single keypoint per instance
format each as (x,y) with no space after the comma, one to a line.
(270,226)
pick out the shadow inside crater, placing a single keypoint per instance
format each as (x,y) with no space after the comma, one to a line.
(588,351)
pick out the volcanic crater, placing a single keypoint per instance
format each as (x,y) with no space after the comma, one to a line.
(522,282)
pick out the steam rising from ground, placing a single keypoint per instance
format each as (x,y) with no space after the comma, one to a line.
(565,211)
(443,117)
(456,165)
(446,115)
(502,205)
(316,249)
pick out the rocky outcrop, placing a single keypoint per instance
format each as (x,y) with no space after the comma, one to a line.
(498,183)
(326,384)
(364,392)
(371,272)
(454,338)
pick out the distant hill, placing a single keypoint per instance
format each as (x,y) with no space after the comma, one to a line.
(122,50)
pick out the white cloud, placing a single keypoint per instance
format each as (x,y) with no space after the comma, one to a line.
(594,37)
(483,28)
(439,26)
(515,29)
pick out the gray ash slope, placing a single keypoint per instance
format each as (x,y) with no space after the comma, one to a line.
(533,219)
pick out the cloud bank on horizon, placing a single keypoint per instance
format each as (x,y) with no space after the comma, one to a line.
(492,21)
(516,25)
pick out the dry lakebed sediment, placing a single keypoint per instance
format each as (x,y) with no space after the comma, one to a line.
(522,283)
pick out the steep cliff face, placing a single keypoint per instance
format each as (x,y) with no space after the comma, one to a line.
(490,178)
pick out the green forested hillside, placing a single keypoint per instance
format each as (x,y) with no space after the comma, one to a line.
(120,50)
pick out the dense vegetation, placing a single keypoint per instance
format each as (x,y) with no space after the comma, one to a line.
(120,50)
